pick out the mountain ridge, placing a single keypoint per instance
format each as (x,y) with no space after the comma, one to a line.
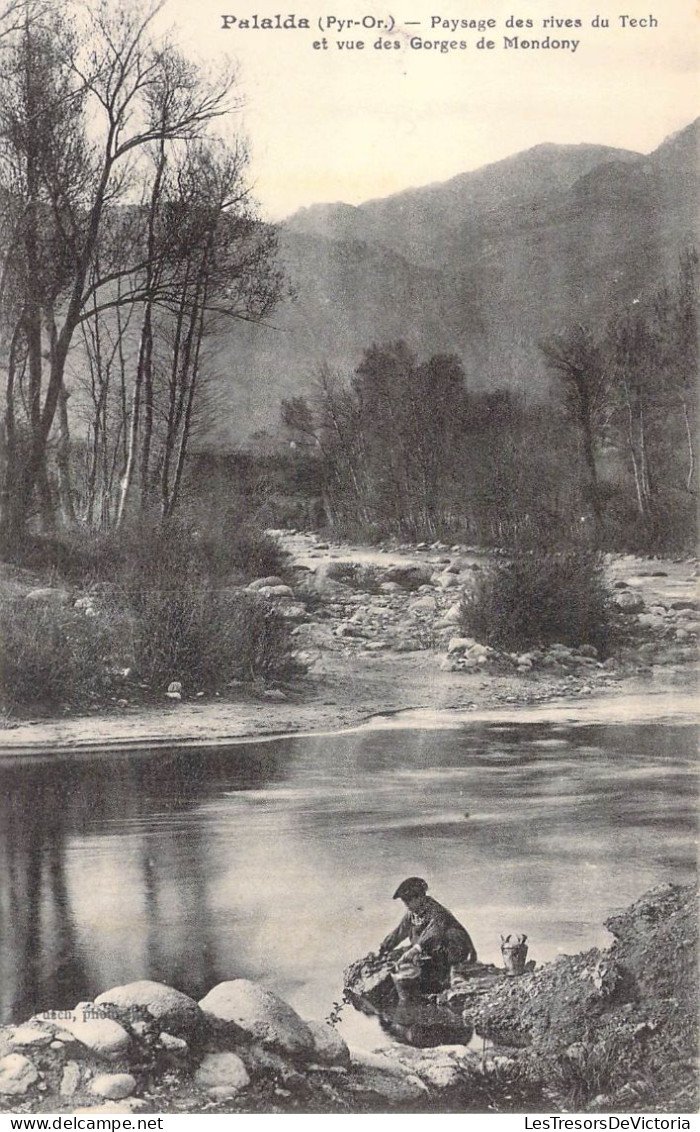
(483,265)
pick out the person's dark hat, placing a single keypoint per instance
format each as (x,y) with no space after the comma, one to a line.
(412,886)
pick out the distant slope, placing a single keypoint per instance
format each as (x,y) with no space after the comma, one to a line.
(428,225)
(483,265)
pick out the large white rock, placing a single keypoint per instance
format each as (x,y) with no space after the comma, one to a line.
(330,1048)
(265,583)
(222,1075)
(174,1011)
(260,1014)
(17,1074)
(33,1037)
(103,1036)
(113,1086)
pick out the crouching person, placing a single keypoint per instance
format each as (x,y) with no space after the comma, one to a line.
(439,945)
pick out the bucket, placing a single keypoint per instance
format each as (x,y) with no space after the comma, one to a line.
(514,952)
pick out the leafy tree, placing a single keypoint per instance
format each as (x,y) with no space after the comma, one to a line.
(578,361)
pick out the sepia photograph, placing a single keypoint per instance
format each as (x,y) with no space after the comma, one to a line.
(349,603)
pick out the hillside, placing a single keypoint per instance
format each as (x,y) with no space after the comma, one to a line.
(483,265)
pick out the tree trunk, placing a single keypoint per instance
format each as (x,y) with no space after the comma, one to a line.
(63,454)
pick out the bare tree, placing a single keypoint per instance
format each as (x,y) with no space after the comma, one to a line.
(58,179)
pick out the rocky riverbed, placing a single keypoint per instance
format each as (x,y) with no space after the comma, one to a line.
(611,1030)
(377,631)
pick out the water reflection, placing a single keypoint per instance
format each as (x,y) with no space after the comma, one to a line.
(277,861)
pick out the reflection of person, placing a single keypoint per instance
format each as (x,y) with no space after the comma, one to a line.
(438,942)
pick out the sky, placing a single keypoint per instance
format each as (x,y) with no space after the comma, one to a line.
(349,125)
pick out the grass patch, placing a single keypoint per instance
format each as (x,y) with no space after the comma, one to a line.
(540,598)
(51,654)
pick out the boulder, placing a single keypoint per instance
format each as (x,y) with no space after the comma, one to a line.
(382,1079)
(292,611)
(174,1011)
(266,1062)
(280,593)
(650,621)
(222,1075)
(437,1069)
(329,1047)
(452,616)
(70,1079)
(17,1074)
(30,1037)
(629,602)
(408,577)
(446,581)
(460,644)
(260,1015)
(173,1044)
(103,1036)
(113,1086)
(261,583)
(386,1087)
(426,604)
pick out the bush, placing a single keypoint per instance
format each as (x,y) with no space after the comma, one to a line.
(210,550)
(539,598)
(366,578)
(50,654)
(205,638)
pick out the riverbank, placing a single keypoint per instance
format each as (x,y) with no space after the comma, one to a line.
(383,642)
(605,1031)
(407,694)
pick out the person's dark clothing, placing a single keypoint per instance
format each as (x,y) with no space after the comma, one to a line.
(436,931)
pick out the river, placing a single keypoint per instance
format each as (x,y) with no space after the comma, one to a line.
(277,860)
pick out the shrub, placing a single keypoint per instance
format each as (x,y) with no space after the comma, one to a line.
(366,578)
(50,654)
(208,550)
(205,638)
(538,598)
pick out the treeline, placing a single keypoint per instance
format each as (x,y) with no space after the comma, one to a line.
(128,239)
(405,449)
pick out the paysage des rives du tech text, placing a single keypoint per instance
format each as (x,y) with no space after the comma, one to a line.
(386,33)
